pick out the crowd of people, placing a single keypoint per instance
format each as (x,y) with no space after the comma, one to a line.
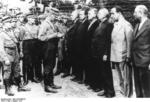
(86,47)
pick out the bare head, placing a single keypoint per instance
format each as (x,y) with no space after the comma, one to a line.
(103,14)
(116,12)
(92,13)
(140,11)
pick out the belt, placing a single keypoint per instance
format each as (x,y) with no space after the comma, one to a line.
(12,48)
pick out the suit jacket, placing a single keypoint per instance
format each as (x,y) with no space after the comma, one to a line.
(69,35)
(101,40)
(79,40)
(121,41)
(91,29)
(141,45)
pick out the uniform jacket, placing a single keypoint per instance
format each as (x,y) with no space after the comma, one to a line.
(100,44)
(121,40)
(47,30)
(8,41)
(141,45)
(30,32)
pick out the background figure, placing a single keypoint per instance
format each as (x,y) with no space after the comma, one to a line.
(120,45)
(31,59)
(103,39)
(93,24)
(79,47)
(141,52)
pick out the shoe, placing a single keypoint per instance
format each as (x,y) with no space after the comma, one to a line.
(8,91)
(23,89)
(25,83)
(36,81)
(65,75)
(101,93)
(57,73)
(75,79)
(80,82)
(89,88)
(110,95)
(97,90)
(48,89)
(8,88)
(55,86)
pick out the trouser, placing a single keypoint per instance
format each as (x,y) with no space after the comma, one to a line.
(1,73)
(60,56)
(95,75)
(12,71)
(119,68)
(49,60)
(32,59)
(142,81)
(78,66)
(107,78)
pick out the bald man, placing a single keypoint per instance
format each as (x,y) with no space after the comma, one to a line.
(141,52)
(100,51)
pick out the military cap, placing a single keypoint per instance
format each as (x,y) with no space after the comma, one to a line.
(54,11)
(6,19)
(14,20)
(30,15)
(19,14)
(43,16)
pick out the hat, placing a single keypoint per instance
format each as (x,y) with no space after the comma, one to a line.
(54,11)
(43,16)
(6,19)
(14,20)
(19,14)
(30,15)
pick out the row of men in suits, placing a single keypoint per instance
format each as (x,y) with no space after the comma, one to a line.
(99,41)
(87,44)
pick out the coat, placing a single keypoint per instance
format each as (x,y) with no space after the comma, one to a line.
(121,41)
(141,45)
(100,44)
(79,40)
(91,29)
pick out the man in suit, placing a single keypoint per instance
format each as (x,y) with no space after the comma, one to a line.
(68,61)
(100,49)
(120,44)
(141,52)
(93,24)
(79,43)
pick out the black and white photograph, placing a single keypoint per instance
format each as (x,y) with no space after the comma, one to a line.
(97,49)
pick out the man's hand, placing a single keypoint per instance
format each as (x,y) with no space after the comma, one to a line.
(149,67)
(7,62)
(105,58)
(21,55)
(128,59)
(59,35)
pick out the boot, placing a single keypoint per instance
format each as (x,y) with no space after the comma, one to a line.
(21,87)
(8,88)
(53,86)
(49,89)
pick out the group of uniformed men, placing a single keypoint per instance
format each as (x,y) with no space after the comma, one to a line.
(95,42)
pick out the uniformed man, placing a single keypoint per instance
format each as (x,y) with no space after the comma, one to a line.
(1,65)
(49,34)
(10,57)
(31,62)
